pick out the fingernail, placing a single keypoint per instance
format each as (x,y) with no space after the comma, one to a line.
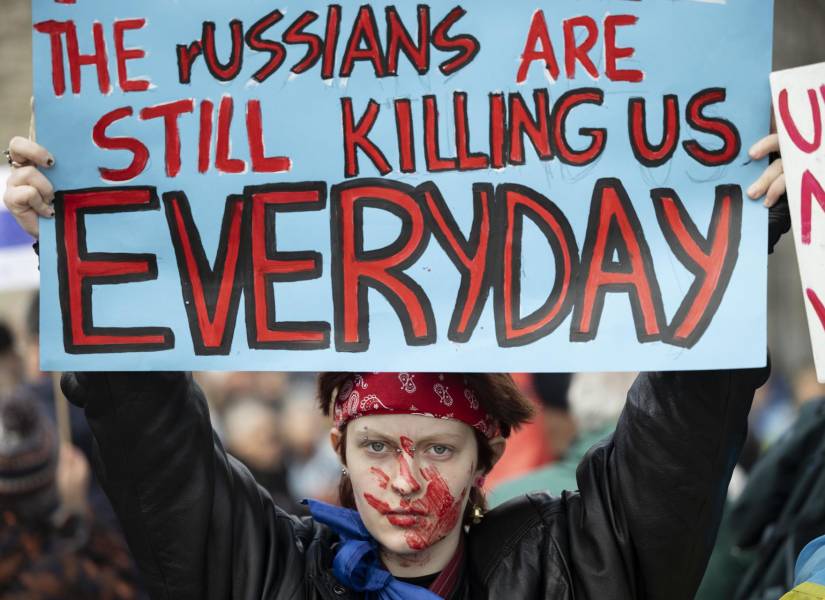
(752,192)
(50,162)
(51,213)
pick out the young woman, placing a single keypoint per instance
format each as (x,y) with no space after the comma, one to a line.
(414,449)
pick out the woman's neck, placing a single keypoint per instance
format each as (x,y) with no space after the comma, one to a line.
(426,562)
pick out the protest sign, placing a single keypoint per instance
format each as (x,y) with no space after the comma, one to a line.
(799,105)
(18,264)
(529,186)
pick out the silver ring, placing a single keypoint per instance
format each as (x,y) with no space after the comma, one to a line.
(12,163)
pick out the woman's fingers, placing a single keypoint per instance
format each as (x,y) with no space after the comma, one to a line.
(32,177)
(775,191)
(764,147)
(25,203)
(27,152)
(761,186)
(23,198)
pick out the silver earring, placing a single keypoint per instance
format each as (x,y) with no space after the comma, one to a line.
(344,471)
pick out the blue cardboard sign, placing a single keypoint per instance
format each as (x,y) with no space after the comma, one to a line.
(520,186)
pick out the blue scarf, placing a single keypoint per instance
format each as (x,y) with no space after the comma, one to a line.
(357,564)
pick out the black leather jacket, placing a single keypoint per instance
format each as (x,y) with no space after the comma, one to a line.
(641,526)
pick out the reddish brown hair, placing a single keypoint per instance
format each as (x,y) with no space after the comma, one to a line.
(498,395)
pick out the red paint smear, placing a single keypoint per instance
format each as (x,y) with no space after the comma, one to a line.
(408,445)
(819,308)
(430,518)
(383,478)
(377,504)
(440,504)
(406,473)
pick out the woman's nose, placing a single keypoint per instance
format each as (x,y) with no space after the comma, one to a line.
(404,481)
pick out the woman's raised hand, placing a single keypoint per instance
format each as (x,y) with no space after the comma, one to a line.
(28,192)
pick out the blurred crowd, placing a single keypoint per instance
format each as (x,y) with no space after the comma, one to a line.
(60,539)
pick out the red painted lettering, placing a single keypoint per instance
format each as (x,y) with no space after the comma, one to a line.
(123,54)
(613,53)
(811,188)
(80,270)
(614,228)
(711,259)
(170,112)
(354,270)
(140,153)
(538,34)
(255,135)
(356,136)
(790,125)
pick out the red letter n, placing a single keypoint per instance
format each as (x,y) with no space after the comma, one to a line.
(811,188)
(79,270)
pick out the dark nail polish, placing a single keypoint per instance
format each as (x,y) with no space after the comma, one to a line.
(50,162)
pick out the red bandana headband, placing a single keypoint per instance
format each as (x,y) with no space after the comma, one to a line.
(438,395)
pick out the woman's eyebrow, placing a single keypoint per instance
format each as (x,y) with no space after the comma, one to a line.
(369,433)
(440,437)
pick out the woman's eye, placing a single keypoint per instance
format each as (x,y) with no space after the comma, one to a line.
(440,450)
(377,447)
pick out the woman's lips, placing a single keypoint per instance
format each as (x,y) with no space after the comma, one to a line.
(406,518)
(403,520)
(403,516)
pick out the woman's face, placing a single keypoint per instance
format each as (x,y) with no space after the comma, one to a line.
(411,476)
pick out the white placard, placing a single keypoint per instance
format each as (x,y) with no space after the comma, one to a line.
(799,104)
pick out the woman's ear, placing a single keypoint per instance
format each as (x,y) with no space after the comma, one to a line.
(497,445)
(335,436)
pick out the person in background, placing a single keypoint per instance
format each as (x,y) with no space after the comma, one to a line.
(39,387)
(51,547)
(253,435)
(577,412)
(779,511)
(11,366)
(312,466)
